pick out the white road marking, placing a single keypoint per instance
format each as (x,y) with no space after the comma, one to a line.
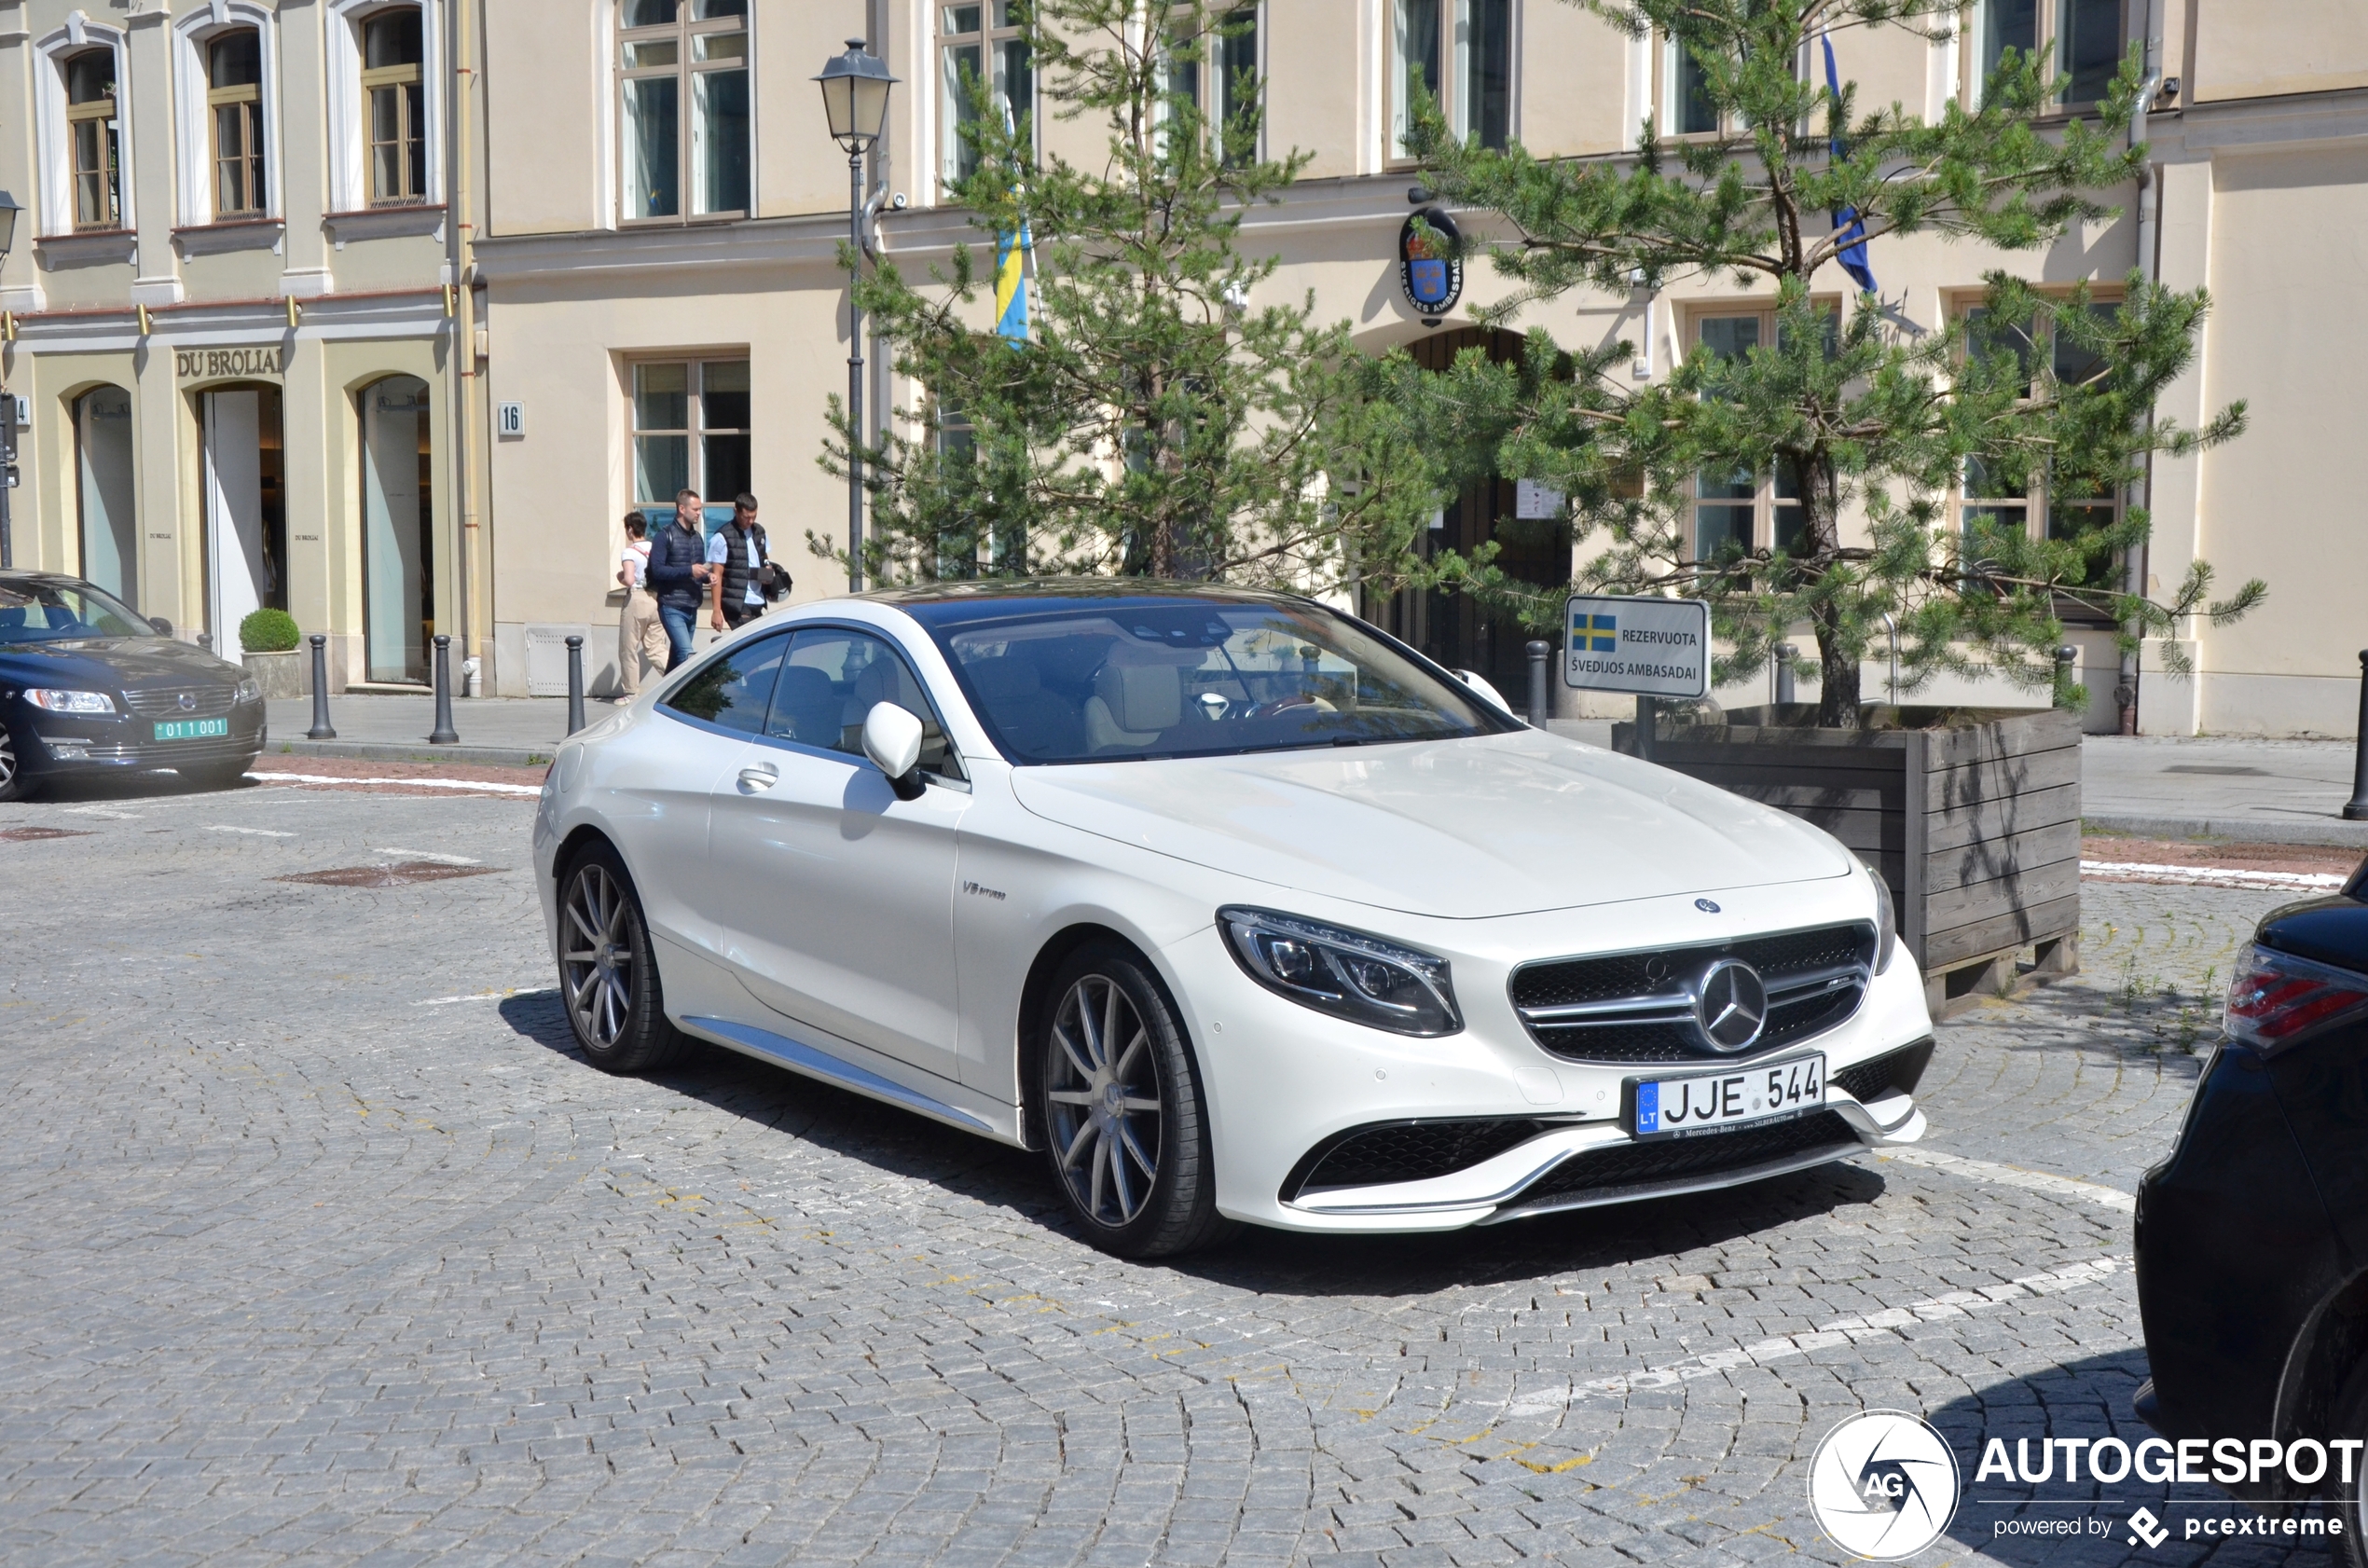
(430,855)
(101,811)
(2207,876)
(421,783)
(487,995)
(258,832)
(1841,1331)
(2013,1176)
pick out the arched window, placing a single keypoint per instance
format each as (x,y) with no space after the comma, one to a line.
(683,81)
(234,97)
(94,136)
(393,83)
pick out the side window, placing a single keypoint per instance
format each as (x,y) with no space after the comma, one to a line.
(833,678)
(736,690)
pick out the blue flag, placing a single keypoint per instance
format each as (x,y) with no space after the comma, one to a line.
(1853,255)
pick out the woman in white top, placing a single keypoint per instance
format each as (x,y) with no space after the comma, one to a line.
(639,635)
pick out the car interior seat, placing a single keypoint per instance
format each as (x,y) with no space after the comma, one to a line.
(1133,704)
(804,707)
(1033,721)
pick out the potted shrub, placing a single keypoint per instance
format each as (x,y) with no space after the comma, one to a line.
(1952,481)
(267,641)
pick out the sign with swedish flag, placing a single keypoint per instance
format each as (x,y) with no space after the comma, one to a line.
(1648,647)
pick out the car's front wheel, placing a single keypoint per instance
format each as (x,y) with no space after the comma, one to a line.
(608,973)
(1124,1124)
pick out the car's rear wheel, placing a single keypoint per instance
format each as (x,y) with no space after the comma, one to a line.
(1125,1128)
(608,973)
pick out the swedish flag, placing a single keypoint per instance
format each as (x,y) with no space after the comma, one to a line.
(1600,634)
(1013,252)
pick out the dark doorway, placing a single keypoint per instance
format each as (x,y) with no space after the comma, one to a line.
(1452,628)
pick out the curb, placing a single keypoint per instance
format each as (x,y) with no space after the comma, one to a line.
(397,752)
(2333,832)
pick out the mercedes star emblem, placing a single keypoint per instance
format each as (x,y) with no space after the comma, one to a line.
(1731,1005)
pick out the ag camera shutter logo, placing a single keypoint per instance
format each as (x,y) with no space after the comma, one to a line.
(1883,1485)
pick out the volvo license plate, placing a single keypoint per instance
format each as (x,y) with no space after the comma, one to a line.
(190,729)
(1714,1102)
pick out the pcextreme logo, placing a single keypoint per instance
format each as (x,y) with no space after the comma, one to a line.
(1883,1485)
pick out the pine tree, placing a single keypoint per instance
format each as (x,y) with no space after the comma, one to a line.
(1156,422)
(1870,412)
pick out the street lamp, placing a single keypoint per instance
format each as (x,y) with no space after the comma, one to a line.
(9,209)
(855,98)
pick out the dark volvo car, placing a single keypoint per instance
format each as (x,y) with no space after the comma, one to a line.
(88,687)
(2253,1237)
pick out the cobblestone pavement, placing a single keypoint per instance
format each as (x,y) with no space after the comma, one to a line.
(323,1248)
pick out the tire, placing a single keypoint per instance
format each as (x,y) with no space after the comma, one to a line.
(14,784)
(2351,1502)
(1126,1131)
(608,971)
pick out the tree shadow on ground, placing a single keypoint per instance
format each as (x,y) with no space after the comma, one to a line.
(2086,1398)
(1019,1183)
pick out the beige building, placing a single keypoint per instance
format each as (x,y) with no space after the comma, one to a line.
(229,324)
(662,207)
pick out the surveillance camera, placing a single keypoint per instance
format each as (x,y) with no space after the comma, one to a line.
(898,201)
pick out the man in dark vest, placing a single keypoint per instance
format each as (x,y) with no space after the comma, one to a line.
(737,560)
(678,575)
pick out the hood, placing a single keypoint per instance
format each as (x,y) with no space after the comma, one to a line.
(1467,828)
(116,664)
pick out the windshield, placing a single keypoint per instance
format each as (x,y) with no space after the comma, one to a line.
(1119,678)
(53,611)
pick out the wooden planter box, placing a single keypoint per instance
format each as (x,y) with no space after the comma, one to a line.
(1972,816)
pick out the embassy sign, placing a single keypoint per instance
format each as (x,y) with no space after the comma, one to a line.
(215,364)
(1646,647)
(1429,266)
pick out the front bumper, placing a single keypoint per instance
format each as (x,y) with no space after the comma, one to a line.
(1282,1081)
(63,745)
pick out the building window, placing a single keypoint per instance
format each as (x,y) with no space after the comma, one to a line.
(1744,511)
(683,86)
(1691,112)
(1987,503)
(2089,35)
(95,139)
(981,44)
(1461,53)
(1218,75)
(234,100)
(393,85)
(689,428)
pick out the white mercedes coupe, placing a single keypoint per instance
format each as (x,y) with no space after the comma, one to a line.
(1232,905)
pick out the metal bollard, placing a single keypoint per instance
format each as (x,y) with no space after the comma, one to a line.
(1786,660)
(1541,700)
(444,734)
(1647,720)
(2356,809)
(2066,657)
(322,729)
(575,684)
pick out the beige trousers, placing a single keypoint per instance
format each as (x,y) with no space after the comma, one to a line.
(639,637)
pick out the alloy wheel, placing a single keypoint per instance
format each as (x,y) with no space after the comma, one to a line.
(1103,1101)
(596,962)
(7,761)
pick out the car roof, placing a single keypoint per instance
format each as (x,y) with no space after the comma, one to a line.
(1044,589)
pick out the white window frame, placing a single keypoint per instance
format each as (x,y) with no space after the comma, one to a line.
(193,117)
(1209,79)
(686,75)
(54,142)
(2047,27)
(990,35)
(1458,47)
(349,108)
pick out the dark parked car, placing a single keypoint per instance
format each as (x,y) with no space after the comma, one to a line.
(2253,1237)
(88,687)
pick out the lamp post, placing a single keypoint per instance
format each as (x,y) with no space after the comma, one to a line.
(8,211)
(855,98)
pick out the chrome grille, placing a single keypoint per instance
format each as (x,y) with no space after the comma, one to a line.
(1638,1007)
(164,702)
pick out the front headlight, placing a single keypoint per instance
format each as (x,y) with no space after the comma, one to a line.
(71,702)
(1886,921)
(249,690)
(1346,973)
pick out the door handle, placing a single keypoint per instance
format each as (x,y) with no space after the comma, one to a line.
(759,778)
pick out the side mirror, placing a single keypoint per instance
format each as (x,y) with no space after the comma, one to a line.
(892,740)
(164,626)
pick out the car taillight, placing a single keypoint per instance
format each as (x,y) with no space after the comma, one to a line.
(2277,999)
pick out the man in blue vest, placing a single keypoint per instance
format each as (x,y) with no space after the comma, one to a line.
(678,573)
